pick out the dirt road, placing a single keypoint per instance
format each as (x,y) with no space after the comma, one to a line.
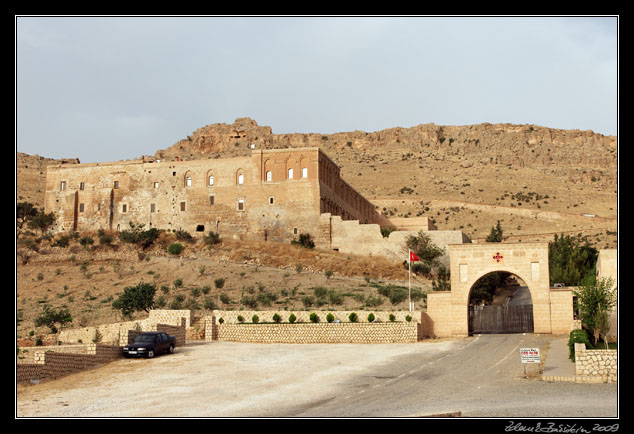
(479,376)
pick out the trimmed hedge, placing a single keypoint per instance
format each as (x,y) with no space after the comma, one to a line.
(578,336)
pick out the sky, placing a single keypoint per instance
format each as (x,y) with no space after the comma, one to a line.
(113,88)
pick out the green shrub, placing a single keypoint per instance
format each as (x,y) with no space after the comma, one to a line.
(330,317)
(211,239)
(255,319)
(175,249)
(277,318)
(292,318)
(209,304)
(225,298)
(371,317)
(220,282)
(578,336)
(314,317)
(392,317)
(182,235)
(408,318)
(240,318)
(353,317)
(304,241)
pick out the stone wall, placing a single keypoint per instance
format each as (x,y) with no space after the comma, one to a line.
(349,236)
(117,333)
(382,330)
(597,366)
(320,333)
(52,362)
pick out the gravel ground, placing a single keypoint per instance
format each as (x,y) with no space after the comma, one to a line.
(477,376)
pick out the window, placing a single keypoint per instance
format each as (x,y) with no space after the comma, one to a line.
(62,186)
(188,181)
(124,208)
(211,199)
(81,186)
(81,207)
(116,184)
(200,228)
(305,172)
(240,204)
(240,179)
(294,231)
(152,207)
(156,184)
(211,180)
(269,176)
(182,206)
(290,173)
(271,200)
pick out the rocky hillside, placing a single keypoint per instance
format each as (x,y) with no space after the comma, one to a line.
(485,144)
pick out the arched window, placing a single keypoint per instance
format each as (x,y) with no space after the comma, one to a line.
(188,179)
(290,173)
(304,172)
(239,177)
(210,180)
(269,176)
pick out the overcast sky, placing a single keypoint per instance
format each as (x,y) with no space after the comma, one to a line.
(111,88)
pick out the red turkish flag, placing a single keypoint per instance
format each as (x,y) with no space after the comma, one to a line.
(413,257)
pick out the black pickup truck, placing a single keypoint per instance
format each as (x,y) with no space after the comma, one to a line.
(149,344)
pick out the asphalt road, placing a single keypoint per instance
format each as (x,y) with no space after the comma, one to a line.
(479,376)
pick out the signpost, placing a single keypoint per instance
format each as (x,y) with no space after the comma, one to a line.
(529,355)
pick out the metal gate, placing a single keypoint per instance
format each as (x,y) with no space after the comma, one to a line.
(501,319)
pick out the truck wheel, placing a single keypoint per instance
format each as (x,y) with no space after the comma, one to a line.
(171,350)
(150,354)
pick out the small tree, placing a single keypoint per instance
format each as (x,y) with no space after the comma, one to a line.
(442,281)
(591,297)
(51,317)
(41,221)
(135,298)
(495,236)
(602,329)
(425,249)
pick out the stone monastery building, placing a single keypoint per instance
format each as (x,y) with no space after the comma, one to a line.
(269,195)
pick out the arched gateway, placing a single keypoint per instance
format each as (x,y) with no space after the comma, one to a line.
(448,311)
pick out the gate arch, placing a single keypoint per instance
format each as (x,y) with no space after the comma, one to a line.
(449,310)
(507,317)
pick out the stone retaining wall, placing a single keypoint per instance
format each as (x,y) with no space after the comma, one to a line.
(52,362)
(595,365)
(320,333)
(382,330)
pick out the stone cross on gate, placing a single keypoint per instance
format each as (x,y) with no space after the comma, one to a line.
(498,257)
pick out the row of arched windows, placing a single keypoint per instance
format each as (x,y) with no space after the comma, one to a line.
(210,179)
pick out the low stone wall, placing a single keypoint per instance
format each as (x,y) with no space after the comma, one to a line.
(595,366)
(320,333)
(117,333)
(382,330)
(51,362)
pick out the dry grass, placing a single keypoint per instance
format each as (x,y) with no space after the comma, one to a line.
(87,280)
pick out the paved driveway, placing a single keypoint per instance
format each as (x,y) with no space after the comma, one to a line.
(478,376)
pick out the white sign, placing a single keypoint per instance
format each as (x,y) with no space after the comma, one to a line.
(530,355)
